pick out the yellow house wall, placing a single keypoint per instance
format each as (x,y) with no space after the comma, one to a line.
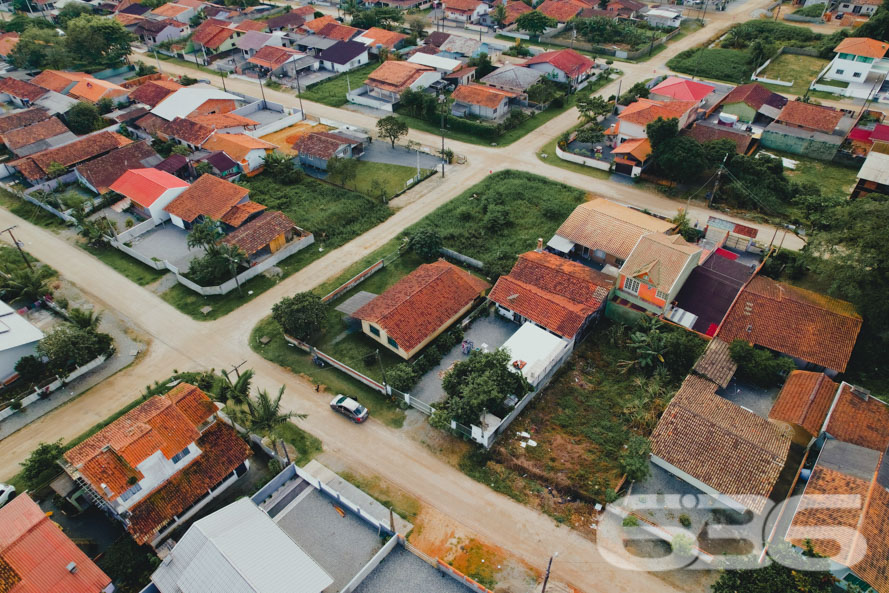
(383,337)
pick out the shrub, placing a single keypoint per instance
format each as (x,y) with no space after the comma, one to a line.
(722,64)
(299,316)
(41,466)
(630,521)
(685,520)
(759,366)
(682,545)
(634,459)
(426,243)
(30,368)
(402,377)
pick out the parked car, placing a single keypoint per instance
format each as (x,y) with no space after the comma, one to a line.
(7,493)
(349,408)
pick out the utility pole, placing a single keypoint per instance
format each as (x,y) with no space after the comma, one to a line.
(18,245)
(716,185)
(156,59)
(617,96)
(548,568)
(261,90)
(382,370)
(234,263)
(442,104)
(236,367)
(299,95)
(705,12)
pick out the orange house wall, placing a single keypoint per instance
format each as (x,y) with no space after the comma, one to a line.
(646,293)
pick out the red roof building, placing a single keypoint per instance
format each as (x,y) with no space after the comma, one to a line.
(561,10)
(681,89)
(569,66)
(555,293)
(266,233)
(209,196)
(37,557)
(420,306)
(157,460)
(100,173)
(514,10)
(22,118)
(810,117)
(37,166)
(859,418)
(21,91)
(804,402)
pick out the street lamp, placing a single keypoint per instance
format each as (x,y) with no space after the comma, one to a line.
(443,103)
(299,95)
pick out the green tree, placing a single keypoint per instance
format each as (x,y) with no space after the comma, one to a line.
(30,369)
(128,564)
(40,49)
(105,105)
(97,41)
(84,118)
(301,315)
(180,149)
(427,243)
(69,346)
(71,11)
(534,22)
(590,134)
(205,234)
(478,383)
(266,416)
(592,107)
(760,51)
(777,576)
(26,284)
(637,91)
(203,168)
(20,22)
(342,169)
(498,15)
(84,319)
(391,128)
(482,64)
(758,365)
(634,459)
(281,166)
(661,130)
(234,394)
(417,25)
(402,376)
(42,464)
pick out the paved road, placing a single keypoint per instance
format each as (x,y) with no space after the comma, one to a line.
(179,342)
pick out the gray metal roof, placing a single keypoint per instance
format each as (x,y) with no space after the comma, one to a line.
(849,459)
(239,549)
(512,76)
(355,302)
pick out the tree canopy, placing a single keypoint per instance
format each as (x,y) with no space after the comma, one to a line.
(391,128)
(301,315)
(97,41)
(534,22)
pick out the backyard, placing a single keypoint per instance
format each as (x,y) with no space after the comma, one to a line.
(332,91)
(802,70)
(383,180)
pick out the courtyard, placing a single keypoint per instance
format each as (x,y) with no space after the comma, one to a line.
(167,242)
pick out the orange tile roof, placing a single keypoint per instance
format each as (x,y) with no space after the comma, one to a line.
(212,34)
(479,94)
(58,80)
(208,196)
(322,145)
(8,41)
(514,10)
(659,260)
(637,147)
(716,363)
(567,60)
(222,451)
(170,10)
(93,89)
(383,37)
(153,92)
(24,117)
(237,146)
(862,46)
(241,212)
(259,232)
(805,400)
(102,172)
(35,554)
(797,322)
(272,56)
(166,423)
(126,19)
(461,5)
(615,229)
(21,89)
(561,10)
(683,89)
(338,31)
(808,115)
(320,22)
(396,76)
(223,120)
(730,449)
(249,25)
(551,291)
(35,166)
(419,304)
(43,130)
(860,419)
(187,131)
(644,111)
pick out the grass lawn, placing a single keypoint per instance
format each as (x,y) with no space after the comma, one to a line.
(126,265)
(30,212)
(802,70)
(307,445)
(727,65)
(549,149)
(378,179)
(333,91)
(831,178)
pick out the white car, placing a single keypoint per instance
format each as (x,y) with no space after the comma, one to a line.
(7,492)
(349,408)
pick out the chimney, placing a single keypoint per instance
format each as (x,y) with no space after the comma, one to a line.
(72,567)
(539,244)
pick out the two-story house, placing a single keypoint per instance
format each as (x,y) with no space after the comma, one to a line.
(633,120)
(856,58)
(465,11)
(392,78)
(655,271)
(159,463)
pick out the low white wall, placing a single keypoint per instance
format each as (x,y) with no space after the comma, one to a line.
(276,125)
(582,160)
(60,381)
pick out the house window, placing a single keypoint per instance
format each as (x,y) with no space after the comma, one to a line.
(181,455)
(131,492)
(856,75)
(840,71)
(374,330)
(661,295)
(631,285)
(392,343)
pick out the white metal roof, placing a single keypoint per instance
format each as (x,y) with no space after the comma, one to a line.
(184,101)
(537,348)
(15,330)
(662,12)
(560,243)
(239,549)
(437,62)
(875,168)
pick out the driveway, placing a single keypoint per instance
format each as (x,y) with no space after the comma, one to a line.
(167,242)
(380,151)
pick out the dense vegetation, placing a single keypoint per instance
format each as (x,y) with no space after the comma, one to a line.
(87,42)
(602,30)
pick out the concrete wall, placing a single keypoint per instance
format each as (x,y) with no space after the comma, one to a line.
(582,160)
(59,382)
(799,145)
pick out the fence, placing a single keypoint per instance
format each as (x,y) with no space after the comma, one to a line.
(360,96)
(797,18)
(354,281)
(276,125)
(445,568)
(582,160)
(139,229)
(44,391)
(370,566)
(612,51)
(469,261)
(796,51)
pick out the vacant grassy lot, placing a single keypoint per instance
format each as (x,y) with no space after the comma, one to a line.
(382,180)
(333,90)
(728,65)
(831,178)
(802,70)
(30,212)
(125,265)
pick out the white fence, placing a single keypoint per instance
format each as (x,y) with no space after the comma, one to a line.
(57,383)
(360,96)
(582,160)
(139,229)
(469,261)
(277,125)
(370,566)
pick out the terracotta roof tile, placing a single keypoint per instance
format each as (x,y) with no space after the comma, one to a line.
(419,304)
(222,451)
(237,146)
(209,196)
(35,554)
(212,35)
(338,31)
(288,20)
(682,89)
(805,400)
(561,10)
(730,449)
(272,56)
(640,148)
(319,23)
(716,363)
(479,94)
(396,76)
(43,130)
(644,111)
(659,260)
(144,186)
(223,120)
(92,89)
(807,115)
(105,170)
(170,10)
(753,95)
(187,131)
(21,89)
(567,60)
(322,145)
(860,419)
(36,165)
(551,291)
(240,213)
(615,229)
(461,5)
(514,10)
(8,41)
(58,80)
(127,19)
(249,25)
(384,37)
(797,322)
(259,232)
(151,123)
(24,117)
(152,93)
(862,46)
(703,132)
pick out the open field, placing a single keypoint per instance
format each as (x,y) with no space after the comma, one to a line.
(802,70)
(333,91)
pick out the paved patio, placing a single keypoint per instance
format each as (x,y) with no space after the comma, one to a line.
(403,572)
(380,151)
(487,333)
(756,399)
(167,242)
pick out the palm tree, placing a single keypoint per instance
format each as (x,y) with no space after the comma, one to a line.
(84,319)
(266,416)
(234,394)
(204,234)
(27,284)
